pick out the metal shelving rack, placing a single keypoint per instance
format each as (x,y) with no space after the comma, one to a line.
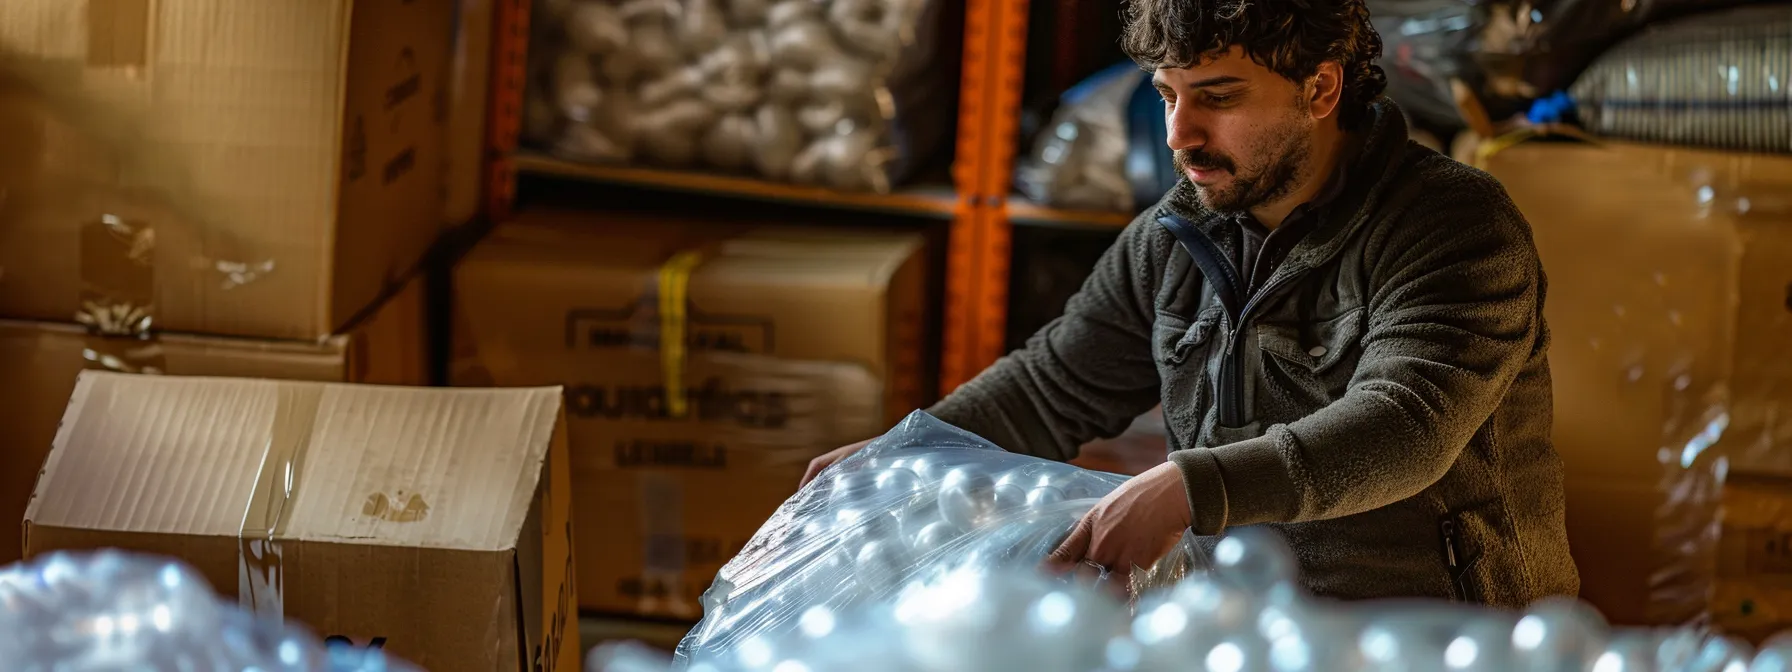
(978,203)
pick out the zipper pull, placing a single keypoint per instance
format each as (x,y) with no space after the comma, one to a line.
(1449,530)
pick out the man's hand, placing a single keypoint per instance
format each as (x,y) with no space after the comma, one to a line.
(828,458)
(1134,526)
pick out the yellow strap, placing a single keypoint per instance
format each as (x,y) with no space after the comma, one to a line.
(1487,149)
(674,286)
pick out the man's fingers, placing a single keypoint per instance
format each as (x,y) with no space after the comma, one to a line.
(815,467)
(1120,583)
(1065,557)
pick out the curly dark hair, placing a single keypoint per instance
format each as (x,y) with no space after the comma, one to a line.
(1290,37)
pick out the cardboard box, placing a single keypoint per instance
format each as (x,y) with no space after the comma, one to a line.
(269,168)
(798,341)
(468,102)
(431,520)
(1669,313)
(39,362)
(1751,594)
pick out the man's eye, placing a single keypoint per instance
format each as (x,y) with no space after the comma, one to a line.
(1220,99)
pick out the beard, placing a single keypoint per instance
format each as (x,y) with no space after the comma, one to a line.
(1284,153)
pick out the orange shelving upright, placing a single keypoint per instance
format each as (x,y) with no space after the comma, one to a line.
(979,238)
(978,260)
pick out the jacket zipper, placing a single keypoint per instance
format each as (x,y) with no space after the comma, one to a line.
(1450,556)
(1453,557)
(1221,272)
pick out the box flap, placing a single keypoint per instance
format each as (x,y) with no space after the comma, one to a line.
(40,361)
(435,468)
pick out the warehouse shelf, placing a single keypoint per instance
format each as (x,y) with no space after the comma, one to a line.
(931,201)
(979,234)
(1023,211)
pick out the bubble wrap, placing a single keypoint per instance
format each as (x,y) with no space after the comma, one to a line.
(1246,614)
(925,500)
(112,611)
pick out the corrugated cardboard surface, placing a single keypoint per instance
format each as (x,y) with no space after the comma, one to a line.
(287,153)
(418,516)
(39,362)
(792,336)
(1668,306)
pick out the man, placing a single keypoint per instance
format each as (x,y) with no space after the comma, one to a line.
(1345,330)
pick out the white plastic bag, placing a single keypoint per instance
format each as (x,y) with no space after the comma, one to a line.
(846,94)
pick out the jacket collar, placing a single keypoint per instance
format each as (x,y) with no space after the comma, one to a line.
(1364,189)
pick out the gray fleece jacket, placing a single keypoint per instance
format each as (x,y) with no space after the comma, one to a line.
(1382,400)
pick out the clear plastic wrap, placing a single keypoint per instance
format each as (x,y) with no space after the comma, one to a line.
(839,93)
(1247,614)
(1715,80)
(923,501)
(1079,160)
(109,611)
(1668,313)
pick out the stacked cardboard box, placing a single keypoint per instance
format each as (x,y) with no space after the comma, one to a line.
(1670,311)
(782,344)
(211,187)
(39,362)
(277,165)
(431,523)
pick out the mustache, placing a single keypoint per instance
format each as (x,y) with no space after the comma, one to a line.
(1203,160)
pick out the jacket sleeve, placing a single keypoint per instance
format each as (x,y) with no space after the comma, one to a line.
(1085,375)
(1454,313)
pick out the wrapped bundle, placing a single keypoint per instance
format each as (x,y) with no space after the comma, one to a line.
(1081,161)
(922,502)
(114,611)
(838,93)
(1245,615)
(1715,80)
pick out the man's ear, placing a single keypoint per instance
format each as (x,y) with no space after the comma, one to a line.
(1326,88)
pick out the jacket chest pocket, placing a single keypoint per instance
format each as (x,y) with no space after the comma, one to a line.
(1176,340)
(1321,354)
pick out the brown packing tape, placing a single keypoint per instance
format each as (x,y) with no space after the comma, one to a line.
(260,568)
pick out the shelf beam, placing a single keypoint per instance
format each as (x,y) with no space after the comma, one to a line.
(931,202)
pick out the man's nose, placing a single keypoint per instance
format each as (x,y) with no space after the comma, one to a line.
(1186,131)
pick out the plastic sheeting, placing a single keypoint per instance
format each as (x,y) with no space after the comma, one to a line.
(1669,318)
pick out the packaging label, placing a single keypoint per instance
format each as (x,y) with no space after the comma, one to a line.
(1769,552)
(671,453)
(638,327)
(713,401)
